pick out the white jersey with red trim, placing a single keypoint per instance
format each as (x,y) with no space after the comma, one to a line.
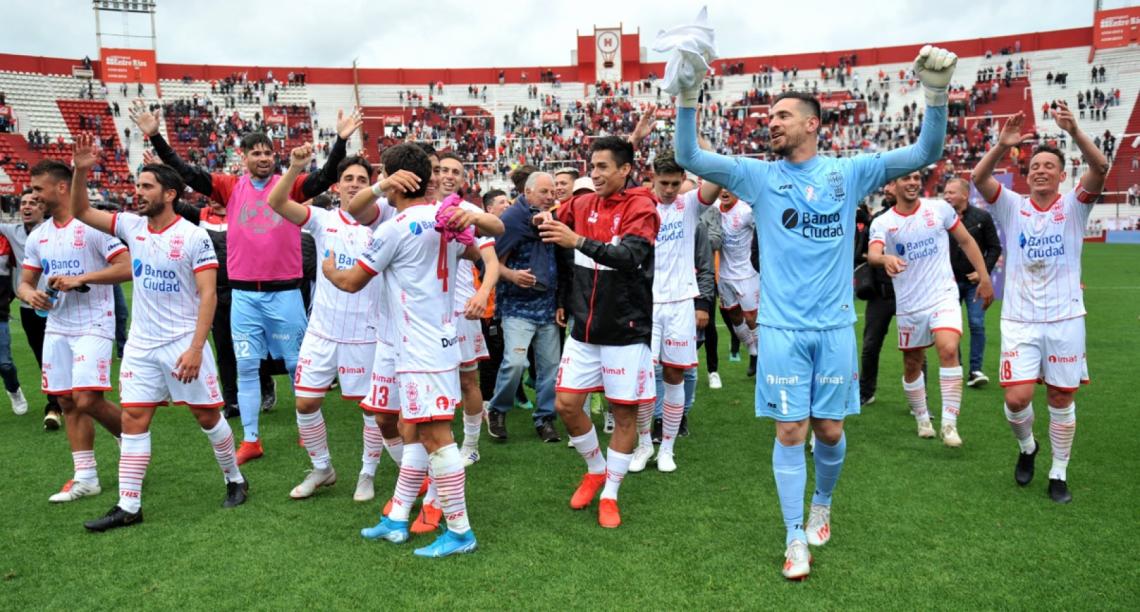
(674,257)
(338,315)
(736,252)
(71,250)
(164,294)
(465,274)
(921,239)
(1043,255)
(418,269)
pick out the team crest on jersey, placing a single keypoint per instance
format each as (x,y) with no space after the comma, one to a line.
(103,366)
(616,223)
(593,217)
(809,194)
(212,385)
(259,217)
(77,235)
(835,181)
(176,244)
(442,403)
(928,216)
(413,394)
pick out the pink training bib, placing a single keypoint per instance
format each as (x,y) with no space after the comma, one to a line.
(261,245)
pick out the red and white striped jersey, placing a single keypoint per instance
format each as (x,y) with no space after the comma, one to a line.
(70,250)
(465,274)
(736,252)
(164,294)
(675,268)
(418,269)
(1042,253)
(922,240)
(351,318)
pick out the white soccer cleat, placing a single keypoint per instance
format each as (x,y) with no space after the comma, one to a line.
(641,456)
(365,488)
(470,456)
(797,561)
(665,462)
(19,402)
(73,490)
(950,435)
(609,425)
(714,381)
(925,429)
(313,481)
(819,525)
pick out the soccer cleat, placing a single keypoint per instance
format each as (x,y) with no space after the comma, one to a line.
(714,381)
(447,544)
(269,397)
(797,561)
(1059,491)
(734,356)
(751,365)
(657,431)
(52,420)
(314,480)
(248,451)
(641,456)
(819,525)
(73,490)
(925,429)
(527,405)
(608,426)
(387,508)
(395,532)
(608,514)
(236,494)
(977,379)
(470,456)
(587,489)
(115,517)
(950,435)
(230,411)
(365,488)
(683,432)
(428,520)
(867,401)
(665,462)
(1023,471)
(497,424)
(597,406)
(547,432)
(424,487)
(19,402)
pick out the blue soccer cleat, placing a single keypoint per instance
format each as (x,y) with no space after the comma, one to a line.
(395,532)
(450,543)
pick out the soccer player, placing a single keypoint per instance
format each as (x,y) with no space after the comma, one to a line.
(675,318)
(738,283)
(1043,313)
(81,264)
(911,241)
(340,341)
(166,356)
(612,232)
(804,210)
(416,263)
(263,255)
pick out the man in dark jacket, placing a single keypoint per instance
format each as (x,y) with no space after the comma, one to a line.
(981,227)
(612,232)
(878,314)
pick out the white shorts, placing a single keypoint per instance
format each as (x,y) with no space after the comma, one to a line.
(384,386)
(624,373)
(742,292)
(321,360)
(76,363)
(1053,353)
(428,396)
(675,334)
(472,345)
(916,329)
(146,377)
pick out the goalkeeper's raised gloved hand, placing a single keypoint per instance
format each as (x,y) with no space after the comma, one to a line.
(689,97)
(934,66)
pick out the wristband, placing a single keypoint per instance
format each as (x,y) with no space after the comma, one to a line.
(377,191)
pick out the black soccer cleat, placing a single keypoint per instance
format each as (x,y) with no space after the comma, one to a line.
(657,431)
(683,432)
(751,365)
(1059,491)
(1023,472)
(115,517)
(236,494)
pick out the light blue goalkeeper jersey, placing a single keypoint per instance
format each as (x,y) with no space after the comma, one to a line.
(805,218)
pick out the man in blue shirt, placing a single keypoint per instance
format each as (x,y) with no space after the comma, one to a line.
(804,209)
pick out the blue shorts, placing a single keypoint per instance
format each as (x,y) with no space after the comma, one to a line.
(806,373)
(270,322)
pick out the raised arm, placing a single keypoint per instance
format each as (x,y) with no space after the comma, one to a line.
(316,184)
(983,173)
(279,201)
(84,156)
(730,172)
(147,122)
(1093,179)
(363,206)
(934,68)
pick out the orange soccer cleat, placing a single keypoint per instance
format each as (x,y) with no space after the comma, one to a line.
(608,514)
(428,520)
(248,451)
(586,491)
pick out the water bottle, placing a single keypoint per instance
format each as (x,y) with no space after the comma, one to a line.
(51,293)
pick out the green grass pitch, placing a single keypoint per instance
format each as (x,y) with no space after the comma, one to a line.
(916,525)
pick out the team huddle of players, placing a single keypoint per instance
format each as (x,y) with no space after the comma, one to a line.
(396,308)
